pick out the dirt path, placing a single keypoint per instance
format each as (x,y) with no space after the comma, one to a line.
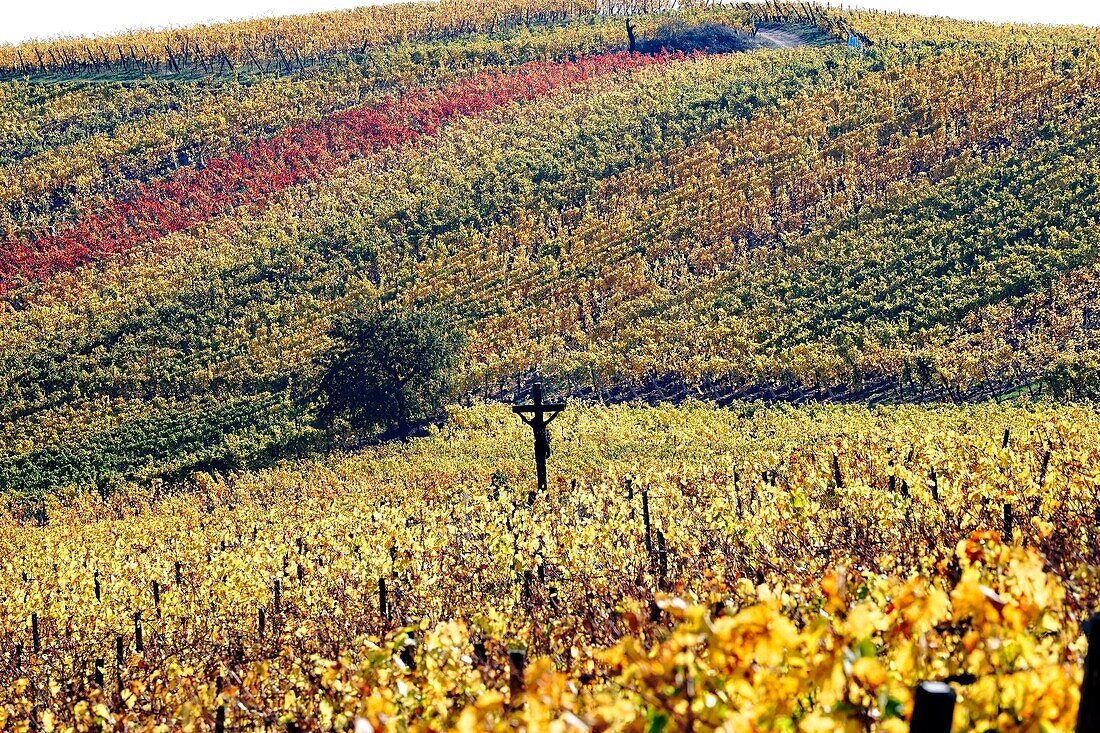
(775,38)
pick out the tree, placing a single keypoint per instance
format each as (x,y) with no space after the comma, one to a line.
(387,369)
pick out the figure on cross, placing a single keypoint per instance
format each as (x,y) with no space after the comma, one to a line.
(540,415)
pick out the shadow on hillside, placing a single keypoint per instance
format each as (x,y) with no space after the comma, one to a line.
(704,37)
(720,38)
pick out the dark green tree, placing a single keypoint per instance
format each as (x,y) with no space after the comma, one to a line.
(387,369)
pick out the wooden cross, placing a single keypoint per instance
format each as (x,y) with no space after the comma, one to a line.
(541,414)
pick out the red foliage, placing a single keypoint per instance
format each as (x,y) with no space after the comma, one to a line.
(300,154)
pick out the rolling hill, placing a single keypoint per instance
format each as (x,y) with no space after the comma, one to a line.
(184,213)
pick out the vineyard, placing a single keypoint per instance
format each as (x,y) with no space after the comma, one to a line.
(631,226)
(823,309)
(761,568)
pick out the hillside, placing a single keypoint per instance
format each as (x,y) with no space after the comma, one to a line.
(784,224)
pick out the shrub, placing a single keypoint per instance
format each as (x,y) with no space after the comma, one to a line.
(387,369)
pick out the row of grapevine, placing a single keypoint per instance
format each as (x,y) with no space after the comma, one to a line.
(300,154)
(667,235)
(275,44)
(73,152)
(758,557)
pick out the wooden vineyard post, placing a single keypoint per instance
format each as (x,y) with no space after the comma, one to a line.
(219,714)
(120,649)
(408,652)
(171,59)
(933,708)
(517,663)
(662,561)
(541,415)
(1088,713)
(1043,470)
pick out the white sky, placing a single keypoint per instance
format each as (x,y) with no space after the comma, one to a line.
(22,20)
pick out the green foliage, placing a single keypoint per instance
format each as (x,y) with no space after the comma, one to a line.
(171,442)
(1074,376)
(387,369)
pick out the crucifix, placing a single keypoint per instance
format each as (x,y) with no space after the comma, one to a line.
(541,414)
